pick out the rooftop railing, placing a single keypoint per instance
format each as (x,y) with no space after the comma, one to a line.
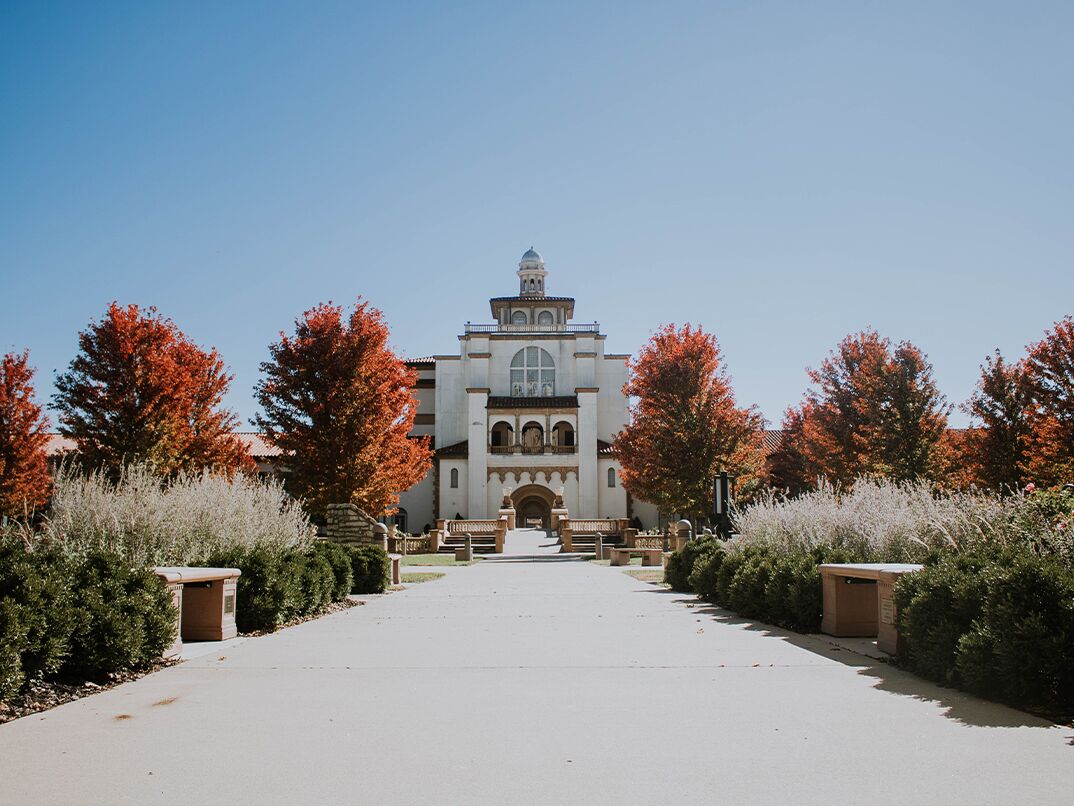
(496,327)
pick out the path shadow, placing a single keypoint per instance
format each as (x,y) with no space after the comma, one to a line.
(959,706)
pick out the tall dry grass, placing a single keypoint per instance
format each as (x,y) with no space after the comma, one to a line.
(180,521)
(883,520)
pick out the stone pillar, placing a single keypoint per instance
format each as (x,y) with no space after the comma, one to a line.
(477,453)
(598,547)
(380,535)
(683,531)
(565,536)
(588,501)
(466,553)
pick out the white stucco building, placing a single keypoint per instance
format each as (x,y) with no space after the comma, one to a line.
(531,403)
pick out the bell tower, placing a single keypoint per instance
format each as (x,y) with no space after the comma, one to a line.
(531,274)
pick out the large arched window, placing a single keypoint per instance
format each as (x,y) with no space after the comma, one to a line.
(533,373)
(454,478)
(545,318)
(518,318)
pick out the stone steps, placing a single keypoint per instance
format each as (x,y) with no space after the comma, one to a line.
(481,544)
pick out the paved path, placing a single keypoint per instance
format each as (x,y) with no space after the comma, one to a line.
(551,681)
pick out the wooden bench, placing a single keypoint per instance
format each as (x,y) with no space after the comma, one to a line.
(858,600)
(205,600)
(621,556)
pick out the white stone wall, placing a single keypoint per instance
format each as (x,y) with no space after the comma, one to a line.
(418,503)
(454,501)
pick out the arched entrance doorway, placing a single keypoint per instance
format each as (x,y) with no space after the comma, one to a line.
(533,506)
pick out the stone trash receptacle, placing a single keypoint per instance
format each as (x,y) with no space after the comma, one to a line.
(208,601)
(887,636)
(858,600)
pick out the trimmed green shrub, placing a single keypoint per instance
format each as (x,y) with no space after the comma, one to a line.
(681,563)
(340,561)
(35,585)
(778,585)
(315,582)
(371,568)
(125,618)
(936,607)
(1021,649)
(998,624)
(703,576)
(267,590)
(12,645)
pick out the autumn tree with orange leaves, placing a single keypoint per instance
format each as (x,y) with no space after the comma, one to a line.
(992,453)
(337,401)
(1049,378)
(24,476)
(874,410)
(685,426)
(140,391)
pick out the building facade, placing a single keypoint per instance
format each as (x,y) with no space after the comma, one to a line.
(527,408)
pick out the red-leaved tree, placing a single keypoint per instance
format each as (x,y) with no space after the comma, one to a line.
(338,402)
(993,451)
(140,391)
(24,476)
(874,409)
(1049,376)
(685,426)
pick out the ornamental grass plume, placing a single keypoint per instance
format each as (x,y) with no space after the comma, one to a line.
(881,520)
(175,521)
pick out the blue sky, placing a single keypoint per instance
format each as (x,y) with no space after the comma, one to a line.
(781,173)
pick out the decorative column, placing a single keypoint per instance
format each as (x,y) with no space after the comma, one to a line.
(477,461)
(588,502)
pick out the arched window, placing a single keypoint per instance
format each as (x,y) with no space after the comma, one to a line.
(454,478)
(518,318)
(532,438)
(611,476)
(545,318)
(563,437)
(533,373)
(502,437)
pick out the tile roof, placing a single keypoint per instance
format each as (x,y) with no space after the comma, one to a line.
(425,359)
(255,443)
(460,449)
(556,402)
(772,440)
(604,448)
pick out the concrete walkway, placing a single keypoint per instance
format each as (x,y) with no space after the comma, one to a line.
(528,543)
(533,682)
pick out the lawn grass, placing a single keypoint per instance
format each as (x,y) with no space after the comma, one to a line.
(414,579)
(654,576)
(431,559)
(633,561)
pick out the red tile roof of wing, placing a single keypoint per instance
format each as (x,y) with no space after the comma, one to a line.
(256,444)
(772,440)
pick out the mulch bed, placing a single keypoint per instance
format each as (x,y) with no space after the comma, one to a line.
(42,695)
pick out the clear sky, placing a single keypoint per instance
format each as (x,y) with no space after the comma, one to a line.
(782,173)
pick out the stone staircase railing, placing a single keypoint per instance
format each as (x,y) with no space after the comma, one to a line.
(616,528)
(453,528)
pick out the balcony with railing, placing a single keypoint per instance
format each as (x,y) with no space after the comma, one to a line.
(496,327)
(532,450)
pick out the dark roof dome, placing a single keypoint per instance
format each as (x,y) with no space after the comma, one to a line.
(532,256)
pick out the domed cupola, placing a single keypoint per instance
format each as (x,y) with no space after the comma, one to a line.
(531,274)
